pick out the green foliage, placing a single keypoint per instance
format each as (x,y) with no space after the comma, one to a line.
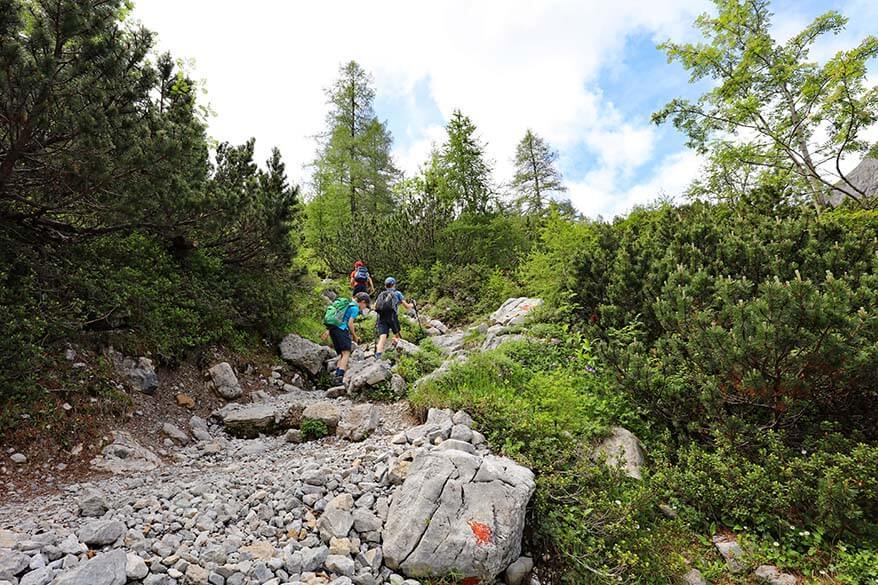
(353,173)
(463,167)
(763,320)
(415,366)
(831,493)
(773,115)
(313,429)
(536,174)
(115,227)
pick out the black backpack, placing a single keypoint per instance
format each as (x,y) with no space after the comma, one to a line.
(361,275)
(386,303)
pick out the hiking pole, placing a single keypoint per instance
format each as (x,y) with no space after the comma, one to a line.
(418,317)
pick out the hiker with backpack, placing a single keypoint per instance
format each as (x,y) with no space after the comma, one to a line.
(361,280)
(339,320)
(387,306)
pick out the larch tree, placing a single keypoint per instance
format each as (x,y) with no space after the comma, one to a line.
(354,157)
(536,173)
(465,169)
(774,117)
(353,174)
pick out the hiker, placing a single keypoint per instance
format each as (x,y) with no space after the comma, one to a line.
(386,305)
(339,320)
(361,280)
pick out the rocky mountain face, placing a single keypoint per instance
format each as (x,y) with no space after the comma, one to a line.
(864,178)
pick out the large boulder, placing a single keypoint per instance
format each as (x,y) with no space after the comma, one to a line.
(515,310)
(622,448)
(304,353)
(249,421)
(103,569)
(495,341)
(225,382)
(12,563)
(358,422)
(140,372)
(365,374)
(92,503)
(406,347)
(101,532)
(449,343)
(326,412)
(125,456)
(457,514)
(771,575)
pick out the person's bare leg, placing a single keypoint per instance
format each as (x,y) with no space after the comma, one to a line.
(343,360)
(381,341)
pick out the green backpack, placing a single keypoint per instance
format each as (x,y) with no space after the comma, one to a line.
(334,314)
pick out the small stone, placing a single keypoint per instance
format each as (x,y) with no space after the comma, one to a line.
(339,546)
(92,504)
(771,575)
(185,401)
(41,576)
(101,533)
(175,433)
(667,511)
(461,432)
(293,436)
(694,577)
(135,567)
(732,552)
(225,382)
(335,392)
(12,563)
(518,572)
(196,575)
(340,565)
(322,411)
(18,458)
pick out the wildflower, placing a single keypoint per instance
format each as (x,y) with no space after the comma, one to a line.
(776,543)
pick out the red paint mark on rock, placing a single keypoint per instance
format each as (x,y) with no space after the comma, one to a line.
(481,531)
(471,581)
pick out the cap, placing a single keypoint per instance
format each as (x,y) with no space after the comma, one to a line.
(389,281)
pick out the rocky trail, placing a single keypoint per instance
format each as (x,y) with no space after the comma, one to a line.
(253,495)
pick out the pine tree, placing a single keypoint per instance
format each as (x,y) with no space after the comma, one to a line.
(466,172)
(536,175)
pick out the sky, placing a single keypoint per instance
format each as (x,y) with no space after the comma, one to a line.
(584,74)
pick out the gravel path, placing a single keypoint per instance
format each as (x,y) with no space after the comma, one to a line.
(227,511)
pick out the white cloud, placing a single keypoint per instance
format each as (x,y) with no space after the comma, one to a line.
(598,194)
(509,64)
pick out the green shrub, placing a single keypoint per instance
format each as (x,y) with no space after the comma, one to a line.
(313,429)
(826,492)
(417,365)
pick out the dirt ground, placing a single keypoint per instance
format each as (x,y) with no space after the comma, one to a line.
(59,452)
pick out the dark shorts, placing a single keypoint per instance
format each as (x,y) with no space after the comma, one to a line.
(387,323)
(341,339)
(360,287)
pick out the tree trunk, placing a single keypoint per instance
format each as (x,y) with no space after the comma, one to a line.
(533,161)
